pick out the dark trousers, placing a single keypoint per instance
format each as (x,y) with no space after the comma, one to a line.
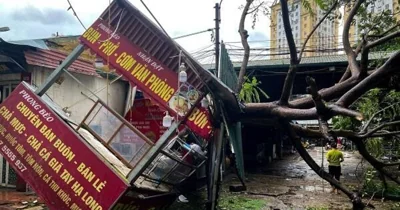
(335,172)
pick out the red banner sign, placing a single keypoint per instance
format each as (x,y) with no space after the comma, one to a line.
(52,158)
(149,74)
(147,118)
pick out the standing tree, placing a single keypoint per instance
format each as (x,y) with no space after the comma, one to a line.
(359,78)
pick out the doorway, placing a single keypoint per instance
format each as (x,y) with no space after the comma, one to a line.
(8,177)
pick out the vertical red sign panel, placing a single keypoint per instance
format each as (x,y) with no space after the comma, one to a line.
(150,75)
(52,158)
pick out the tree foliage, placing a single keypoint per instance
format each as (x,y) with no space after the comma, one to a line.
(378,106)
(250,91)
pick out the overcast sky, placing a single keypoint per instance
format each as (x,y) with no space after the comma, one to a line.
(32,19)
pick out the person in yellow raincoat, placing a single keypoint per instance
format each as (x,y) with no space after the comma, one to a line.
(335,158)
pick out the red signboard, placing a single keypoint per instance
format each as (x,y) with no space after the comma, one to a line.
(199,122)
(147,118)
(52,158)
(150,75)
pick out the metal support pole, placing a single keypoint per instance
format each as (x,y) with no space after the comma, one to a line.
(215,166)
(152,153)
(59,70)
(217,22)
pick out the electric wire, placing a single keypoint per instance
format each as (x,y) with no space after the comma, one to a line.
(75,14)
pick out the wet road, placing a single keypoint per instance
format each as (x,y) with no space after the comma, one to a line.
(284,184)
(291,184)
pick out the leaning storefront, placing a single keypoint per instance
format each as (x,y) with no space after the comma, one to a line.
(120,160)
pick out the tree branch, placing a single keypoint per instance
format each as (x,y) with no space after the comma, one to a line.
(364,58)
(262,110)
(364,128)
(347,74)
(391,164)
(256,8)
(315,28)
(327,94)
(312,89)
(243,36)
(288,32)
(383,40)
(305,132)
(377,128)
(389,30)
(363,44)
(350,96)
(383,134)
(354,68)
(374,162)
(358,142)
(346,112)
(289,80)
(322,110)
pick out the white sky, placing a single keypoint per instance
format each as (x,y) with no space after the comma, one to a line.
(32,19)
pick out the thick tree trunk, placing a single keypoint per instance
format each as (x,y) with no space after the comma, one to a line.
(243,36)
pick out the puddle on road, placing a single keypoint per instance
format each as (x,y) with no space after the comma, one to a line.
(311,188)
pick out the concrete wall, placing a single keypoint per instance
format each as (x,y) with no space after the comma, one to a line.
(68,93)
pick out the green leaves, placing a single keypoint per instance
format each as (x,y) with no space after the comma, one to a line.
(250,92)
(375,147)
(322,4)
(381,104)
(371,21)
(345,123)
(308,7)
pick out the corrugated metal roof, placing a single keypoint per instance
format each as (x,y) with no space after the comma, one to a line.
(37,43)
(329,59)
(52,58)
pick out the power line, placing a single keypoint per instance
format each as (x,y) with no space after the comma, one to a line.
(76,15)
(195,33)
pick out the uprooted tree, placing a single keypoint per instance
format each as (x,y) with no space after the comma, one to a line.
(360,77)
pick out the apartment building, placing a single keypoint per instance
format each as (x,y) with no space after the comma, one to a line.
(322,42)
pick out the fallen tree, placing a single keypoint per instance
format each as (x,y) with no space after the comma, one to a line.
(360,77)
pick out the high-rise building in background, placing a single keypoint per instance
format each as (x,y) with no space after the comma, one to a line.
(377,7)
(322,42)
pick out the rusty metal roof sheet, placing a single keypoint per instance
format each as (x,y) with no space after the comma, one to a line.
(52,58)
(144,33)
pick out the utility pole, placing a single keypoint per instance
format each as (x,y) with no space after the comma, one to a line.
(214,149)
(217,43)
